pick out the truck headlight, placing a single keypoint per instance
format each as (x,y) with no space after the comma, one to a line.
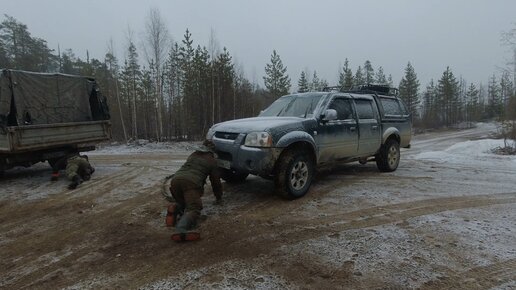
(258,139)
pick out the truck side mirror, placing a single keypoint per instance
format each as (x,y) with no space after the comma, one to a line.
(329,115)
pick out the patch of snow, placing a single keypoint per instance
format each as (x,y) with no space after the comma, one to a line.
(469,152)
(144,147)
(232,274)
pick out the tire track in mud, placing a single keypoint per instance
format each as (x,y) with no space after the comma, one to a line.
(106,241)
(248,237)
(71,231)
(483,277)
(401,211)
(216,248)
(55,202)
(265,201)
(297,230)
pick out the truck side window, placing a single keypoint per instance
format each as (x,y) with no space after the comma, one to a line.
(390,107)
(343,108)
(364,109)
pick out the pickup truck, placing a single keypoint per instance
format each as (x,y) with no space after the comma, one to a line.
(46,116)
(299,133)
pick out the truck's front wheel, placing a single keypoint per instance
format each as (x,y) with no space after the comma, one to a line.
(294,174)
(388,158)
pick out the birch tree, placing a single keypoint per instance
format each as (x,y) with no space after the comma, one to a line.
(157,40)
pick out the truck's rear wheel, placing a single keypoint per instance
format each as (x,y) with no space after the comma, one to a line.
(388,158)
(294,174)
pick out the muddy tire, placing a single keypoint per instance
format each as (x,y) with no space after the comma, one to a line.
(232,176)
(388,158)
(294,174)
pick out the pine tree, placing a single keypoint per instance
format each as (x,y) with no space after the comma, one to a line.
(448,97)
(346,76)
(302,84)
(494,103)
(506,88)
(409,90)
(430,117)
(323,84)
(173,83)
(380,77)
(132,74)
(225,82)
(276,79)
(358,80)
(22,51)
(187,54)
(473,112)
(315,84)
(390,82)
(368,72)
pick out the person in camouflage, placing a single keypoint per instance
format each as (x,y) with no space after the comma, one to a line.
(77,167)
(187,187)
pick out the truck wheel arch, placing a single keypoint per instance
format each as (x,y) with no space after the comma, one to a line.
(391,133)
(298,140)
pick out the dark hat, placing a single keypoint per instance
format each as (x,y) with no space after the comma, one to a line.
(207,146)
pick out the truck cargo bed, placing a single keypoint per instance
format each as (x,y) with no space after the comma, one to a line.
(19,139)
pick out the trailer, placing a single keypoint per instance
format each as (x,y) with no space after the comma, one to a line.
(44,117)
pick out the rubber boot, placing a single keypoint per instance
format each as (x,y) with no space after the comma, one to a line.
(192,235)
(172,214)
(184,230)
(75,182)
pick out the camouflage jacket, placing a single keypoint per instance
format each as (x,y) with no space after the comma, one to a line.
(198,167)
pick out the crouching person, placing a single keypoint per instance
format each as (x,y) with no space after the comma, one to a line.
(187,187)
(78,169)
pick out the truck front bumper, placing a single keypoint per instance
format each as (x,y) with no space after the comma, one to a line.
(232,154)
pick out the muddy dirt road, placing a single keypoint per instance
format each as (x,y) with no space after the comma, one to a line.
(428,225)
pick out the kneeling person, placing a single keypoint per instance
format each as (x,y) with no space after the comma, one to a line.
(187,187)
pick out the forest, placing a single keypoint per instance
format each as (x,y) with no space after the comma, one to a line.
(165,90)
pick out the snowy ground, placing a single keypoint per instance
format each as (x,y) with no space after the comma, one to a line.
(444,219)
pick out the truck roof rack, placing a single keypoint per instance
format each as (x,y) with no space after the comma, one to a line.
(369,88)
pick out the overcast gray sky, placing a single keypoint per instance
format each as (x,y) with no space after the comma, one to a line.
(313,35)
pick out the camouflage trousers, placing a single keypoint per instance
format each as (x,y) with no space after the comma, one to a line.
(77,166)
(188,198)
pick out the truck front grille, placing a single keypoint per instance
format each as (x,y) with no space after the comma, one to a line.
(226,135)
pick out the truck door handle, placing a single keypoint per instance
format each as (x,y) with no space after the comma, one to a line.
(352,129)
(374,127)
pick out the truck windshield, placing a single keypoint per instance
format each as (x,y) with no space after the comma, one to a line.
(292,106)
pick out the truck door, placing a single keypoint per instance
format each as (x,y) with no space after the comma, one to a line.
(369,133)
(338,138)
